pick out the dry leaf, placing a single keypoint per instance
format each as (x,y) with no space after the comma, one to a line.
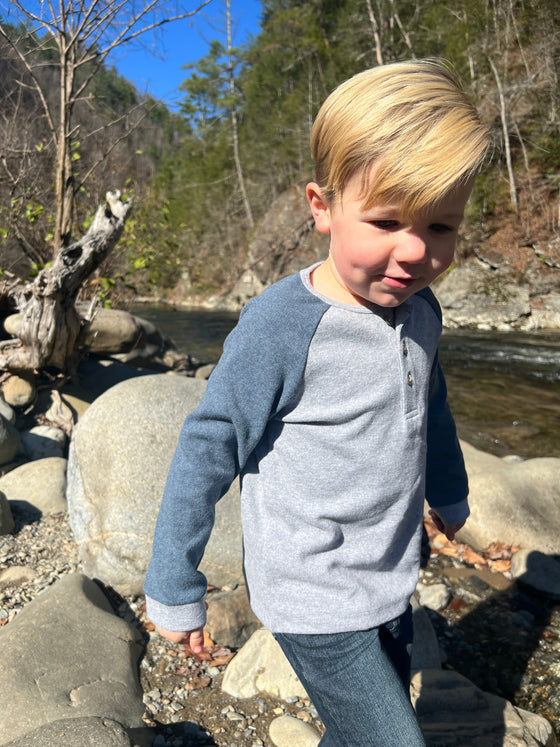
(471,557)
(499,566)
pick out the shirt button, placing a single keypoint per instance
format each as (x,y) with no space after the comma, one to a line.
(404,348)
(409,379)
(389,320)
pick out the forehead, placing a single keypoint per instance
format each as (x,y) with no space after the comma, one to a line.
(364,193)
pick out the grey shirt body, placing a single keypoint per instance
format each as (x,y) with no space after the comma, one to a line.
(331,414)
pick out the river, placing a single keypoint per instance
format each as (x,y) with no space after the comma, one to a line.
(504,388)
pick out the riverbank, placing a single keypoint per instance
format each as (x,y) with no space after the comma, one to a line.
(501,636)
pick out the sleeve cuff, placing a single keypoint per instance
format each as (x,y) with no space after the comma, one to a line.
(181,617)
(453,514)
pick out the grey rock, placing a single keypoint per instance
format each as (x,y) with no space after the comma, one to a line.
(545,312)
(118,462)
(149,344)
(40,484)
(230,619)
(261,667)
(67,655)
(7,412)
(477,296)
(288,731)
(537,570)
(9,440)
(6,518)
(204,371)
(453,711)
(11,324)
(91,731)
(515,503)
(43,441)
(110,330)
(434,596)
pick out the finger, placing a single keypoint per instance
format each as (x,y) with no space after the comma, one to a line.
(196,641)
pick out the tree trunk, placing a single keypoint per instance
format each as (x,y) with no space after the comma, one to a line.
(50,323)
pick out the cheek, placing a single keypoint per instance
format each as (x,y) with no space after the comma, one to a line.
(444,257)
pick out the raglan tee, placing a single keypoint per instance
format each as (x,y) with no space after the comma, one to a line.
(335,417)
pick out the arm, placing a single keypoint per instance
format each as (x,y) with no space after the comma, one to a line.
(446,478)
(257,375)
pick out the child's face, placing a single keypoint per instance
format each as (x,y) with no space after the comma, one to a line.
(379,255)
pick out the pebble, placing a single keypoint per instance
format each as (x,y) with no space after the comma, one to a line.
(434,596)
(500,638)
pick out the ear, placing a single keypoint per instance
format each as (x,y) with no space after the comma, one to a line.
(319,208)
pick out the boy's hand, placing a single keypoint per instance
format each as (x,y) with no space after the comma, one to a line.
(449,530)
(194,639)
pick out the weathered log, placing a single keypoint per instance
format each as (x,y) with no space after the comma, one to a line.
(50,324)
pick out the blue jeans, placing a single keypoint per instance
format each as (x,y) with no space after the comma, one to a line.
(359,683)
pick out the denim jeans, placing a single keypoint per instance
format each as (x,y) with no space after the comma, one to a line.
(359,683)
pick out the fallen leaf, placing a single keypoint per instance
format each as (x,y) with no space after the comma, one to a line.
(499,566)
(471,557)
(221,661)
(207,640)
(457,604)
(197,683)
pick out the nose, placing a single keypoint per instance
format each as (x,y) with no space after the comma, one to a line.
(411,248)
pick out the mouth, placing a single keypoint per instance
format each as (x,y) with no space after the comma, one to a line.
(394,282)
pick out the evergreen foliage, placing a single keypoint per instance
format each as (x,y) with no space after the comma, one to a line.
(190,216)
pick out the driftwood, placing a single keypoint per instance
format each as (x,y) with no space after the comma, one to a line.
(49,322)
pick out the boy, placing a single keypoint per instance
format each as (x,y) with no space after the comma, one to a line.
(330,403)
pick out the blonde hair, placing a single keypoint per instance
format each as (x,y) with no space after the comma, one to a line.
(413,121)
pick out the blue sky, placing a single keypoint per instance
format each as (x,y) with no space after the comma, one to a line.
(182,42)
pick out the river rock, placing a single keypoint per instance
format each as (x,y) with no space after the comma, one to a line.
(6,518)
(9,441)
(516,503)
(478,296)
(43,441)
(230,619)
(539,571)
(67,655)
(434,596)
(545,312)
(7,412)
(19,391)
(288,731)
(119,457)
(453,711)
(261,667)
(109,331)
(40,484)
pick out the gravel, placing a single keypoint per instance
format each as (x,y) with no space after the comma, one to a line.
(503,637)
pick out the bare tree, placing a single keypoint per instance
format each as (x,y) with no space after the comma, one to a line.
(233,116)
(85,33)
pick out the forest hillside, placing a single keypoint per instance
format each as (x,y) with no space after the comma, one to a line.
(205,176)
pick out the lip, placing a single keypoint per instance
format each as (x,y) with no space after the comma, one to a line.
(394,282)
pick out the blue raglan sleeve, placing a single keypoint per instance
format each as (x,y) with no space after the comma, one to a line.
(258,373)
(446,477)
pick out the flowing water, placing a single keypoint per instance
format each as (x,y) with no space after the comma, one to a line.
(504,388)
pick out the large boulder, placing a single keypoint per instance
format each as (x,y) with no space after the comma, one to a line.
(67,655)
(515,502)
(119,457)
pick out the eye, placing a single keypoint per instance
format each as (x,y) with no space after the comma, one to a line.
(386,225)
(440,228)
